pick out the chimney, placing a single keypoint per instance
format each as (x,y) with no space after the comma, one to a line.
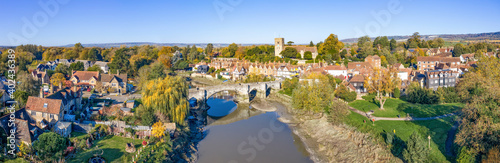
(118,72)
(60,85)
(41,92)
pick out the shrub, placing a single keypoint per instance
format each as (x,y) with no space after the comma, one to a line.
(417,94)
(369,97)
(389,136)
(397,93)
(448,95)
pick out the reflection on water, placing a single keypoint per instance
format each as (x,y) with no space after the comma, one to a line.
(248,135)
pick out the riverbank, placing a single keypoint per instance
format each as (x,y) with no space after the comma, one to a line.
(327,142)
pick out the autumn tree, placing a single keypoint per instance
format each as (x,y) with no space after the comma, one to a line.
(158,130)
(331,45)
(168,98)
(57,79)
(382,82)
(209,49)
(480,117)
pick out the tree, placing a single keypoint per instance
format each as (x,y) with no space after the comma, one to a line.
(393,44)
(158,130)
(146,114)
(331,45)
(120,61)
(480,117)
(63,69)
(308,55)
(416,150)
(414,40)
(157,71)
(78,66)
(209,49)
(21,97)
(289,53)
(458,50)
(289,43)
(28,84)
(95,68)
(311,44)
(397,93)
(49,145)
(363,40)
(383,83)
(168,98)
(57,79)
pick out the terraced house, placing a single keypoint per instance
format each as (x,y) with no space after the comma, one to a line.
(440,78)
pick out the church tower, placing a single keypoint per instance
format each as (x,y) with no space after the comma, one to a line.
(279,45)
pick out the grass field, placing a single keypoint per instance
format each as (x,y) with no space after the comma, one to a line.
(395,107)
(437,129)
(113,147)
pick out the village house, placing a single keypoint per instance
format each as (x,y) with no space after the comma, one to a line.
(115,83)
(85,78)
(355,68)
(467,57)
(63,128)
(356,83)
(103,65)
(26,131)
(71,99)
(40,76)
(45,112)
(440,78)
(429,63)
(374,61)
(336,70)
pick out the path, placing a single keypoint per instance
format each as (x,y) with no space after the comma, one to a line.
(398,119)
(450,139)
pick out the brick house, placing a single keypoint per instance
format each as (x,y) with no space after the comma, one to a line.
(430,63)
(40,76)
(357,82)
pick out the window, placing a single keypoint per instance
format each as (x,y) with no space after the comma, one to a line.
(51,116)
(44,115)
(33,113)
(114,84)
(45,105)
(355,84)
(436,81)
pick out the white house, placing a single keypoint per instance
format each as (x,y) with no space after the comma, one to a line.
(103,65)
(336,70)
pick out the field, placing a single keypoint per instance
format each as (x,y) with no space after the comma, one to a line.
(113,147)
(395,107)
(437,129)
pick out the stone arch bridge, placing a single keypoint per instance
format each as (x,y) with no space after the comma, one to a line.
(244,89)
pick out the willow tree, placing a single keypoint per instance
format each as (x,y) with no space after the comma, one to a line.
(382,82)
(167,97)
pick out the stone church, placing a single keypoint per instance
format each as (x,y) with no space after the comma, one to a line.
(279,46)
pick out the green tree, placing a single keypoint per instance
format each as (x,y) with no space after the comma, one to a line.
(308,55)
(21,97)
(393,44)
(63,69)
(414,40)
(28,84)
(120,61)
(397,93)
(289,53)
(78,66)
(289,43)
(458,50)
(311,44)
(95,68)
(209,49)
(416,150)
(49,146)
(157,71)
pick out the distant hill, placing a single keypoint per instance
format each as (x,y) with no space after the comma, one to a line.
(446,37)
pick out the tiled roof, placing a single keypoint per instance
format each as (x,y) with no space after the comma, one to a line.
(304,48)
(331,67)
(357,78)
(109,77)
(37,104)
(86,75)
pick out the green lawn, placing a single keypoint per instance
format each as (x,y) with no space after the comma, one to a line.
(17,160)
(438,130)
(393,107)
(113,147)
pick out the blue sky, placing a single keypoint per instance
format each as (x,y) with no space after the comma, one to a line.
(243,21)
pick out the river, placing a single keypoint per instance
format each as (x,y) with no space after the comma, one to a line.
(236,133)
